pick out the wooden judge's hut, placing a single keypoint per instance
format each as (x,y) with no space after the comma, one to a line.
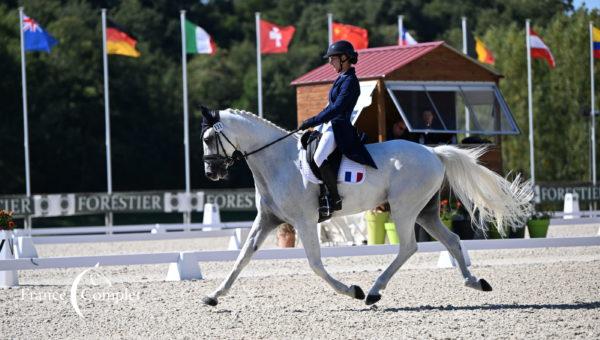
(401,83)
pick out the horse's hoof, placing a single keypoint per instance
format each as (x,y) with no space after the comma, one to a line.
(358,292)
(371,299)
(485,286)
(209,301)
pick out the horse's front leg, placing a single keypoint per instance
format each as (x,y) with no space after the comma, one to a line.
(312,248)
(262,226)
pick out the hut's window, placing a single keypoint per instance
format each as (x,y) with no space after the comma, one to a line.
(444,107)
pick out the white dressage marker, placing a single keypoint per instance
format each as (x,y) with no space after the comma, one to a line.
(186,268)
(211,215)
(24,247)
(571,205)
(8,278)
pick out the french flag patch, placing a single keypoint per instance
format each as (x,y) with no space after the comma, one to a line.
(353,176)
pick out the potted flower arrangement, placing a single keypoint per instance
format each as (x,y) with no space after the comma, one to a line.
(538,224)
(449,213)
(6,226)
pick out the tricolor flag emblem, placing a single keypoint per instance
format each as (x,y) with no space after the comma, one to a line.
(197,40)
(353,176)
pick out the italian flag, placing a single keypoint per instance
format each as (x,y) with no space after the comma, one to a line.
(197,40)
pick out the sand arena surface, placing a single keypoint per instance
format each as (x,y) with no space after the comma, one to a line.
(539,293)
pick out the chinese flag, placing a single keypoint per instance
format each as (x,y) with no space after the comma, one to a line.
(359,37)
(273,38)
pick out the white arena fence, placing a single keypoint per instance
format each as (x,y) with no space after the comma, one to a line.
(125,233)
(184,265)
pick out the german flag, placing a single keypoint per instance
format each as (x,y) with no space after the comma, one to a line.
(119,42)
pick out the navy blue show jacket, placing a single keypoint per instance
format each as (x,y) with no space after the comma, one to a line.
(342,99)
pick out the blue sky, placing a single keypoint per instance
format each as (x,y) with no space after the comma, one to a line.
(588,3)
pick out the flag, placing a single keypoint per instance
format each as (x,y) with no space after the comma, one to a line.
(407,39)
(359,37)
(197,40)
(596,41)
(119,42)
(36,39)
(539,49)
(483,53)
(275,39)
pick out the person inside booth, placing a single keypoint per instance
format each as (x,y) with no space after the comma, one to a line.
(428,122)
(400,131)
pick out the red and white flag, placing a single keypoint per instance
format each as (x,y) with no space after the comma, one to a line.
(539,49)
(275,39)
(359,37)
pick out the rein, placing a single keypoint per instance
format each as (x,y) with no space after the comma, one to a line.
(237,154)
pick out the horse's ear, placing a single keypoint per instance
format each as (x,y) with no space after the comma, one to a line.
(206,113)
(208,117)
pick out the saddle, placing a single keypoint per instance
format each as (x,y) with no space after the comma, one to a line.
(310,141)
(349,172)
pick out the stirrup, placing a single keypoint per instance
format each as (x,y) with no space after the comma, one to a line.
(327,206)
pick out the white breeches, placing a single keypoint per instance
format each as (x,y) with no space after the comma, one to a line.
(326,144)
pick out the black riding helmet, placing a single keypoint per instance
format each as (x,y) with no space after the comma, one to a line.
(342,47)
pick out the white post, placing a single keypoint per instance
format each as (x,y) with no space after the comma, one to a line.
(592,105)
(530,105)
(109,215)
(400,30)
(25,116)
(466,52)
(187,216)
(330,28)
(258,65)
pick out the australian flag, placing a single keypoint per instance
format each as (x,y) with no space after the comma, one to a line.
(36,39)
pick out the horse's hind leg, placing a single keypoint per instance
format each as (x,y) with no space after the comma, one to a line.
(429,218)
(312,248)
(408,246)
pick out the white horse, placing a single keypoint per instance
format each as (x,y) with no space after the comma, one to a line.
(409,178)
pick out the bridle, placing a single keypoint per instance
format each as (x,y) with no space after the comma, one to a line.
(213,120)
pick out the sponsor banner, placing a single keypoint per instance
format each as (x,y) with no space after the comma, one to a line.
(19,205)
(119,202)
(555,192)
(127,202)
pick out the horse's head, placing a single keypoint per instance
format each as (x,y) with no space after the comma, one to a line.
(219,152)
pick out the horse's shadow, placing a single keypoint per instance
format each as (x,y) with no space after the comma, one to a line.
(558,306)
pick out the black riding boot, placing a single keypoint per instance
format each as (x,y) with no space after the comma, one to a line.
(330,200)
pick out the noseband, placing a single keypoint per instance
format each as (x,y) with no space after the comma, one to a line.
(226,159)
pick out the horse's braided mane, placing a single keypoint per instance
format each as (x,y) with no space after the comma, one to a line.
(254,117)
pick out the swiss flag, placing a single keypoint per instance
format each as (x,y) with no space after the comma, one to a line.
(539,48)
(273,38)
(359,37)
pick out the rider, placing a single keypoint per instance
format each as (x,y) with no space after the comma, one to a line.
(335,124)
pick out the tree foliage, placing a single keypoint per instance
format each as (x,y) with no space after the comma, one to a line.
(66,99)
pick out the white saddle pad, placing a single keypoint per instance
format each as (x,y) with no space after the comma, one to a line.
(350,171)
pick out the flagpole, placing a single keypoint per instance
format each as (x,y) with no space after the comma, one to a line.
(259,65)
(187,216)
(400,30)
(592,105)
(465,48)
(109,215)
(330,28)
(530,105)
(25,115)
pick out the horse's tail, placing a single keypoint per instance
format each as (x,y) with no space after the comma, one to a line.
(483,192)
